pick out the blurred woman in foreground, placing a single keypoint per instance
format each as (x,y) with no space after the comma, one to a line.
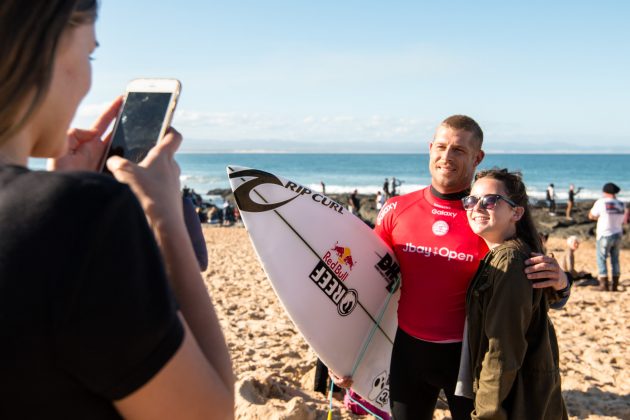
(97,319)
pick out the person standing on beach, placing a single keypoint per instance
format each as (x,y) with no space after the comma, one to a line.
(395,184)
(438,255)
(104,311)
(551,199)
(571,200)
(610,215)
(386,189)
(379,200)
(355,203)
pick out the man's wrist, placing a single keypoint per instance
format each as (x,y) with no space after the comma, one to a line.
(566,291)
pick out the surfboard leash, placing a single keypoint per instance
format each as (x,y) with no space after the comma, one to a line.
(362,354)
(330,399)
(376,326)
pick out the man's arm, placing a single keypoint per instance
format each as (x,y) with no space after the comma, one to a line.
(546,272)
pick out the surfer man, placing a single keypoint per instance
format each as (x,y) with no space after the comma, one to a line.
(431,310)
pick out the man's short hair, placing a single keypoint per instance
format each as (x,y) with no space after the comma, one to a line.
(464,122)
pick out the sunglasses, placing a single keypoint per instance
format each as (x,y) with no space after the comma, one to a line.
(487,202)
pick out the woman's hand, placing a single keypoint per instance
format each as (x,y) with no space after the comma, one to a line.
(87,147)
(155,181)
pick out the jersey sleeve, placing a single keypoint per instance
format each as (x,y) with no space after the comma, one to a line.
(384,223)
(117,324)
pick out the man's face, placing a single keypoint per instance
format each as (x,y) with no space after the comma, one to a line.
(453,157)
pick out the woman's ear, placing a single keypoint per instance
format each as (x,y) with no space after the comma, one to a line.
(518,213)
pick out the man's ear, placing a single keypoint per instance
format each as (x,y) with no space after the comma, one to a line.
(479,157)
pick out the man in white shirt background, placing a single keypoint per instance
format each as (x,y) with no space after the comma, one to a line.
(610,214)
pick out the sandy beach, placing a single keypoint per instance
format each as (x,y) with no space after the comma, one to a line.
(275,367)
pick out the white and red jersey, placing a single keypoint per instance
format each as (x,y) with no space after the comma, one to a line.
(438,255)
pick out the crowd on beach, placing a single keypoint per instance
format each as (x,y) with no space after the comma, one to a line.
(227,214)
(114,319)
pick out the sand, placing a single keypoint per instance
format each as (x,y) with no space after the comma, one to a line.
(274,366)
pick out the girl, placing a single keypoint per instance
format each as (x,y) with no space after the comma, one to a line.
(97,319)
(513,351)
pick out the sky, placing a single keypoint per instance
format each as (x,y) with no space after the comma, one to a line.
(375,76)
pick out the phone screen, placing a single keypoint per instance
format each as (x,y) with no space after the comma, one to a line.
(140,124)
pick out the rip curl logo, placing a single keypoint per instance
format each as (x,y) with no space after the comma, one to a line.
(384,211)
(242,194)
(243,191)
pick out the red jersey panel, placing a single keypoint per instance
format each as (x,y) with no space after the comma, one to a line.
(438,255)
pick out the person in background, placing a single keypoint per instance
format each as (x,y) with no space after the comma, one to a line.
(394,187)
(386,189)
(228,213)
(571,200)
(551,199)
(355,203)
(513,361)
(104,311)
(380,200)
(323,187)
(609,213)
(568,264)
(193,225)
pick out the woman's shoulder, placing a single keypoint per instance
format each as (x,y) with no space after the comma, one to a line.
(511,251)
(64,194)
(85,186)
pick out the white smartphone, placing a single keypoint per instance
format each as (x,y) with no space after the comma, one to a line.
(144,117)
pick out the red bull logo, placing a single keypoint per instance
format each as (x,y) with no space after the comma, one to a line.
(340,260)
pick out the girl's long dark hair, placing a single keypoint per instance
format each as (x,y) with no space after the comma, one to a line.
(29,36)
(516,191)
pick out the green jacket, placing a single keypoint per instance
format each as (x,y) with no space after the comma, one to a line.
(512,343)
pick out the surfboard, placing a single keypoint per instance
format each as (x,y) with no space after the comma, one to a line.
(336,279)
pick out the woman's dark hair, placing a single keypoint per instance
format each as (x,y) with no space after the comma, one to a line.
(516,191)
(29,36)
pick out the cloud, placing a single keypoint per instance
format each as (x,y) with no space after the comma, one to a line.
(272,131)
(326,128)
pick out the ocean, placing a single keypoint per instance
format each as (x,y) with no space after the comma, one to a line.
(366,172)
